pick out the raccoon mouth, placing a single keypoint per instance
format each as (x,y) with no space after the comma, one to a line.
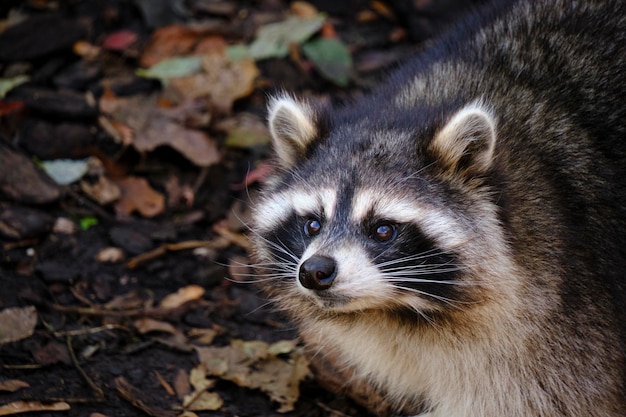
(329,301)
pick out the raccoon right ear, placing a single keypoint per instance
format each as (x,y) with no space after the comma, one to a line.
(465,145)
(292,126)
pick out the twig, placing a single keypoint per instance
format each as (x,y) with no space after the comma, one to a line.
(164,248)
(91,330)
(96,389)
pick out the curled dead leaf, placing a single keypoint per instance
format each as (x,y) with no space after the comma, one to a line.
(17,323)
(222,81)
(12,385)
(17,407)
(110,254)
(182,296)
(275,369)
(137,195)
(147,325)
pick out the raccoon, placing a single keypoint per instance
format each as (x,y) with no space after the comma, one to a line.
(458,237)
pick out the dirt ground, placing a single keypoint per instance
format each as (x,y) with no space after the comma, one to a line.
(125,290)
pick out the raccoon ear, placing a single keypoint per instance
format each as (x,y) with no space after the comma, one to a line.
(465,145)
(292,126)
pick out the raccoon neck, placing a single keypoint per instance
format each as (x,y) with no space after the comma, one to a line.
(496,362)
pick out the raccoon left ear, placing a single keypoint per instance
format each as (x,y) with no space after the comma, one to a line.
(292,126)
(465,145)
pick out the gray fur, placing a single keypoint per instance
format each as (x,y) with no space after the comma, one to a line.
(500,156)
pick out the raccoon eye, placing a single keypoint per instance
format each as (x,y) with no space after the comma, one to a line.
(312,227)
(384,232)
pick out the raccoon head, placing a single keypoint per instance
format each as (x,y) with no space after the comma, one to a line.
(363,216)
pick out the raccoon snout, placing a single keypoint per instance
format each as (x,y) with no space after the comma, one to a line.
(317,273)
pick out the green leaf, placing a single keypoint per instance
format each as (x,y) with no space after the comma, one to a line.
(178,66)
(331,57)
(65,171)
(87,222)
(238,52)
(273,40)
(247,138)
(7,84)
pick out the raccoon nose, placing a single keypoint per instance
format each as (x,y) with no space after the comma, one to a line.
(317,273)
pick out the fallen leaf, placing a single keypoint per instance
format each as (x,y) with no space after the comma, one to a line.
(120,40)
(181,384)
(147,325)
(137,195)
(273,40)
(223,80)
(182,296)
(102,190)
(52,352)
(87,222)
(7,84)
(331,57)
(168,41)
(200,399)
(303,9)
(30,406)
(245,130)
(198,379)
(203,336)
(128,301)
(12,385)
(178,66)
(110,254)
(17,323)
(275,369)
(154,126)
(65,226)
(206,401)
(65,171)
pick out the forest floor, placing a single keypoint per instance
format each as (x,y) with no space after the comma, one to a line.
(132,145)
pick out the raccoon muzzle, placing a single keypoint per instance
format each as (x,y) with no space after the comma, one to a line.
(317,273)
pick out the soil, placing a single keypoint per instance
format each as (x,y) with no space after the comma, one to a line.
(87,349)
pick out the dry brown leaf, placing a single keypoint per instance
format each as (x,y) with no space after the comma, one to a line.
(275,369)
(17,323)
(52,352)
(178,195)
(203,336)
(137,195)
(206,401)
(200,399)
(182,296)
(147,325)
(128,301)
(303,9)
(12,385)
(166,42)
(110,254)
(29,406)
(222,81)
(154,125)
(103,190)
(181,384)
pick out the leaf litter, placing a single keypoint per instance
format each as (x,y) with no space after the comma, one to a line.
(110,301)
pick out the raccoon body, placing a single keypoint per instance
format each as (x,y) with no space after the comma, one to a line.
(458,238)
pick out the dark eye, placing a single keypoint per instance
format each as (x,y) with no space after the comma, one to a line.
(384,232)
(312,227)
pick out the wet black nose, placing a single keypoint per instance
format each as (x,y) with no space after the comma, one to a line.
(317,273)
